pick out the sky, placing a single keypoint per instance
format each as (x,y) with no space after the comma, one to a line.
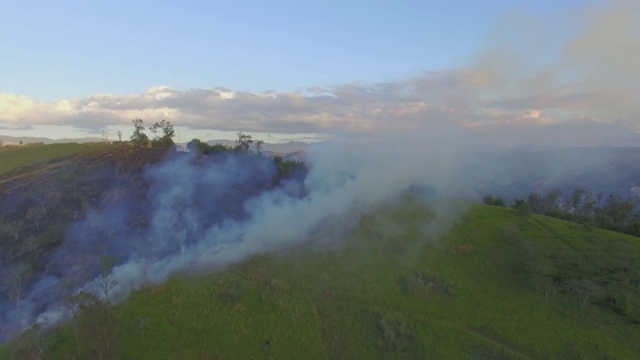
(508,72)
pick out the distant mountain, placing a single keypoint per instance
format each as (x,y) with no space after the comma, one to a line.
(13,140)
(221,142)
(291,147)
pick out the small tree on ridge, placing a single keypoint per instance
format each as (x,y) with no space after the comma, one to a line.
(139,137)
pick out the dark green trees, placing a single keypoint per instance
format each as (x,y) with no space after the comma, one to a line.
(613,213)
(163,133)
(139,137)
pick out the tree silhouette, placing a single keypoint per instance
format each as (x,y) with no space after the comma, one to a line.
(164,140)
(139,137)
(14,279)
(243,142)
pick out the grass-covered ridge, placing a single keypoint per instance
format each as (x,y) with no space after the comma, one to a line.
(16,158)
(494,285)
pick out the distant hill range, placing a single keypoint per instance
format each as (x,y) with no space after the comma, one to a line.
(285,149)
(506,172)
(13,140)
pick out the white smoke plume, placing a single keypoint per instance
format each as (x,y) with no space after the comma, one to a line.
(203,213)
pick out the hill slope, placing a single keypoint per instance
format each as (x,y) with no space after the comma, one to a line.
(403,285)
(14,159)
(44,189)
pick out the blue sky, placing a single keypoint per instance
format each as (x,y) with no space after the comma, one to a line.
(71,48)
(74,56)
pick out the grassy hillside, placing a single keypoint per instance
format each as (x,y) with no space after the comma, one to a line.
(493,286)
(13,158)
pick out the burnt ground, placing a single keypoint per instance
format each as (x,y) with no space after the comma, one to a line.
(38,204)
(62,217)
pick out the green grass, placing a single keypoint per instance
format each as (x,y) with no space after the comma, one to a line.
(400,287)
(16,158)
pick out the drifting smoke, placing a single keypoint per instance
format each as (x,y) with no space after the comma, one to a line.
(204,213)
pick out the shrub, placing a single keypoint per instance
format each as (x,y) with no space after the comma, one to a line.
(395,334)
(427,284)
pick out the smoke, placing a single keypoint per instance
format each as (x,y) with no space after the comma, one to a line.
(346,179)
(578,67)
(200,213)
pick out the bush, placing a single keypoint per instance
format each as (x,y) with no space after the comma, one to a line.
(493,201)
(427,284)
(396,336)
(523,209)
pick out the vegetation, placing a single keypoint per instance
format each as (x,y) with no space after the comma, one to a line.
(19,158)
(139,137)
(203,148)
(245,145)
(42,206)
(165,140)
(613,213)
(493,200)
(495,285)
(163,134)
(41,202)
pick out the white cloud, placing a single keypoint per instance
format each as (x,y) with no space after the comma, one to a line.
(12,106)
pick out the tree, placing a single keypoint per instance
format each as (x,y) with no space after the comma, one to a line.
(36,213)
(523,208)
(139,137)
(14,279)
(586,290)
(200,147)
(119,133)
(615,214)
(243,142)
(547,204)
(493,200)
(11,229)
(583,206)
(97,327)
(258,147)
(107,281)
(164,140)
(536,202)
(551,203)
